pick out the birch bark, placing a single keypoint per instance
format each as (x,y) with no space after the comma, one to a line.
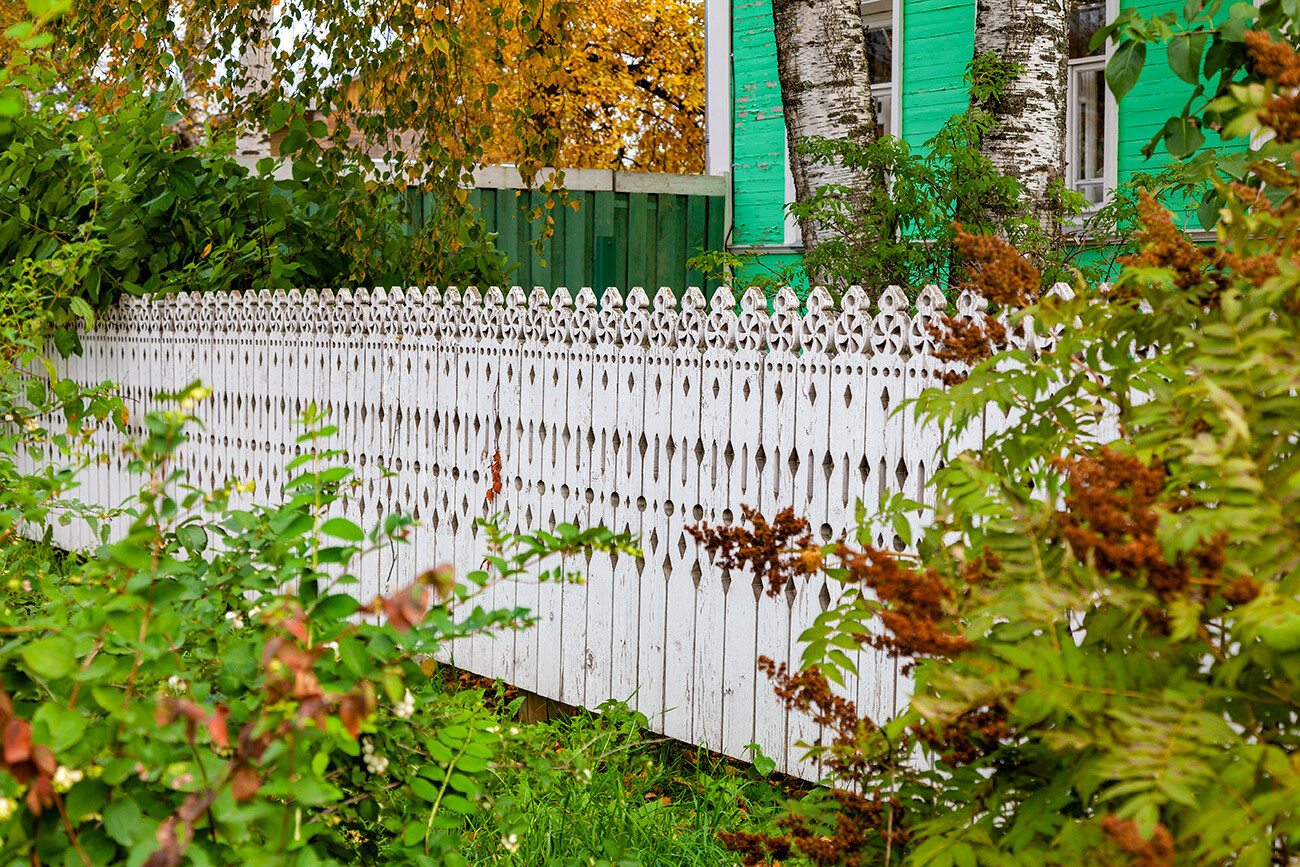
(1028,142)
(825,93)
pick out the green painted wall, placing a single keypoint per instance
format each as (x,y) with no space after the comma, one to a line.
(758,128)
(938,41)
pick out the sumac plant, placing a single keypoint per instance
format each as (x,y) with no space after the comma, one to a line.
(202,689)
(1102,616)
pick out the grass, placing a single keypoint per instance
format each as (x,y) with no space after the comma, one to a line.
(600,789)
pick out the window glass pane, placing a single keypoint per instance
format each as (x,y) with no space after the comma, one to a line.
(1086,18)
(883,107)
(1088,111)
(880,54)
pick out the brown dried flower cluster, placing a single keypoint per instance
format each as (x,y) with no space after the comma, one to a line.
(915,600)
(776,552)
(1156,852)
(973,735)
(1277,61)
(1112,514)
(810,693)
(915,603)
(1164,246)
(996,270)
(856,821)
(966,342)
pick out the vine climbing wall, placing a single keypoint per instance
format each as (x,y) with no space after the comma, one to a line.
(645,416)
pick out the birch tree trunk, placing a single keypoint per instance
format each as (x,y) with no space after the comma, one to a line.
(253,139)
(825,92)
(1028,142)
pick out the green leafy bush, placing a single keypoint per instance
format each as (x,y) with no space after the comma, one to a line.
(203,688)
(1102,615)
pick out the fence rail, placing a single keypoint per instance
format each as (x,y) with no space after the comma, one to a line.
(645,416)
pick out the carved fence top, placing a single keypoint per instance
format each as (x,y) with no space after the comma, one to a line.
(815,324)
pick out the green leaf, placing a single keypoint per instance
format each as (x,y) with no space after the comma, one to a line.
(1125,66)
(122,821)
(1183,136)
(336,606)
(192,537)
(51,658)
(57,727)
(1185,56)
(342,528)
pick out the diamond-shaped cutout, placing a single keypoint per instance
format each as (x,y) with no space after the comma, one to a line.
(643,445)
(757,586)
(681,546)
(671,448)
(726,581)
(659,383)
(760,458)
(728,455)
(699,451)
(696,574)
(793,462)
(654,539)
(686,386)
(884,399)
(532,375)
(631,382)
(566,436)
(789,593)
(555,378)
(848,395)
(668,568)
(900,472)
(746,389)
(812,392)
(824,598)
(828,465)
(591,439)
(864,469)
(604,379)
(579,378)
(717,387)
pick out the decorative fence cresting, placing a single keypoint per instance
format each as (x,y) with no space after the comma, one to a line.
(642,416)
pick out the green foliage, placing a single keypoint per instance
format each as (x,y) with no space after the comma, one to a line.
(1104,607)
(202,688)
(607,792)
(143,215)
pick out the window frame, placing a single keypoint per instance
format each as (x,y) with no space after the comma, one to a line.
(1110,123)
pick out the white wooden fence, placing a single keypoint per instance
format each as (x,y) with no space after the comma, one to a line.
(645,417)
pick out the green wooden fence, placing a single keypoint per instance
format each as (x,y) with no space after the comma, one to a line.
(636,231)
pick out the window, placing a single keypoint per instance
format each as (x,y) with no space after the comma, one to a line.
(1086,152)
(878,22)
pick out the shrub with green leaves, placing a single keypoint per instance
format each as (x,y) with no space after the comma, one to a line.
(1102,615)
(203,688)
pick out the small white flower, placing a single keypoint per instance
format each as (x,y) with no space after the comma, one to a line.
(7,808)
(586,774)
(236,619)
(514,730)
(30,424)
(176,684)
(406,707)
(510,843)
(367,748)
(66,778)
